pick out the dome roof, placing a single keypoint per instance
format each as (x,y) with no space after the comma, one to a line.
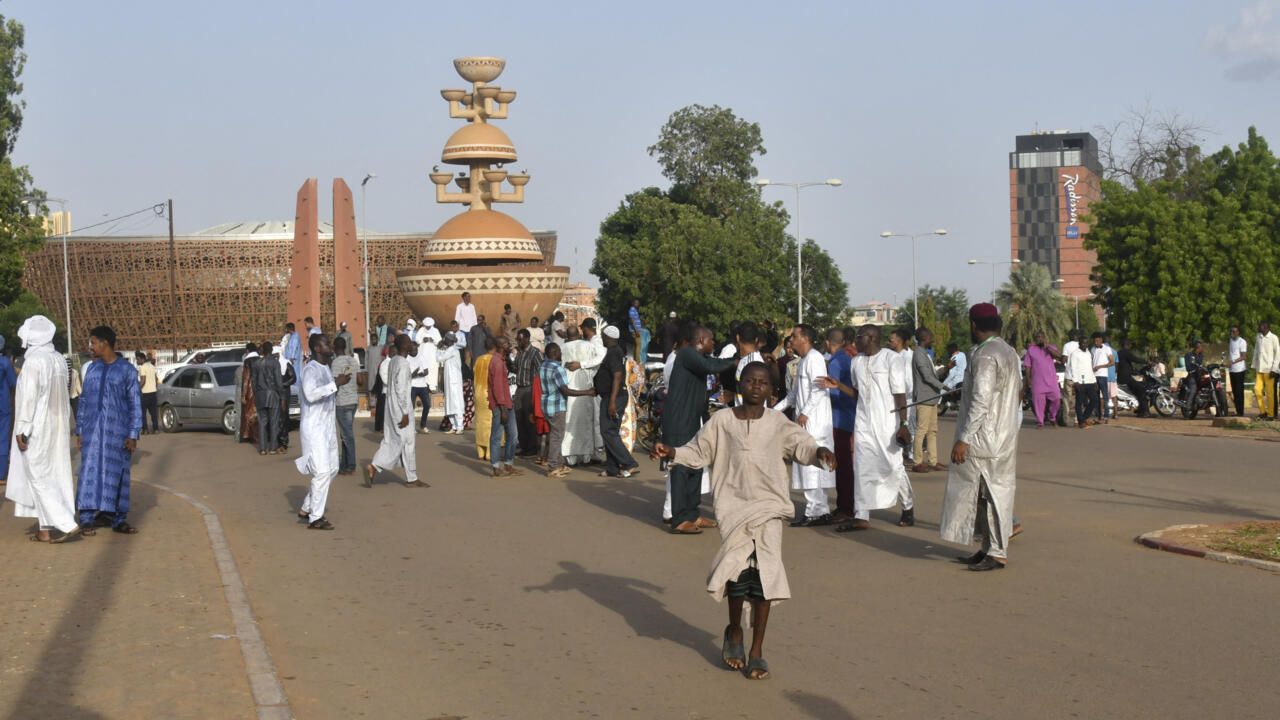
(478,141)
(482,235)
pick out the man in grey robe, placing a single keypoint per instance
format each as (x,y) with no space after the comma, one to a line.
(981,480)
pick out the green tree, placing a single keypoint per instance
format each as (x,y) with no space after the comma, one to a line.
(709,248)
(708,154)
(20,231)
(1192,251)
(951,308)
(1030,304)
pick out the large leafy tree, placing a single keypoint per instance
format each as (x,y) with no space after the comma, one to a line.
(708,247)
(950,314)
(20,231)
(1030,304)
(1191,252)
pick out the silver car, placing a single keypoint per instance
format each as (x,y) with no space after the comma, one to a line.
(200,394)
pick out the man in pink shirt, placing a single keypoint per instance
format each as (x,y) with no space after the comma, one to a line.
(501,454)
(1042,376)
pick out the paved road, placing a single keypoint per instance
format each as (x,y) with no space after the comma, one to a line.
(529,597)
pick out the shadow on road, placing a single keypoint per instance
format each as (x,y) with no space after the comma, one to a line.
(630,598)
(819,707)
(49,692)
(905,546)
(1218,506)
(629,498)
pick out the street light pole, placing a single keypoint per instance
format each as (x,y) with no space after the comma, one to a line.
(832,182)
(364,242)
(994,264)
(66,268)
(915,287)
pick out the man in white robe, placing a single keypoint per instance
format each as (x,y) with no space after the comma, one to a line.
(812,407)
(879,432)
(582,440)
(450,357)
(40,482)
(317,396)
(398,446)
(981,480)
(900,344)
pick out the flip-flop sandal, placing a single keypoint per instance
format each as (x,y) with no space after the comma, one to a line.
(125,529)
(706,523)
(733,651)
(66,536)
(757,665)
(320,524)
(303,515)
(853,527)
(675,530)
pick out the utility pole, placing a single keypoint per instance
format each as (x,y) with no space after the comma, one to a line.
(173,282)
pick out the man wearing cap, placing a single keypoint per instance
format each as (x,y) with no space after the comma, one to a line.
(40,483)
(345,336)
(980,483)
(670,334)
(608,383)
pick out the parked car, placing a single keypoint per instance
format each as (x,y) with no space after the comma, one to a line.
(212,355)
(199,394)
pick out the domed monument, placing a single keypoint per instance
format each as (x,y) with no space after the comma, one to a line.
(482,251)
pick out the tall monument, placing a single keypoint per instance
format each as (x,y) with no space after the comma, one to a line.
(482,251)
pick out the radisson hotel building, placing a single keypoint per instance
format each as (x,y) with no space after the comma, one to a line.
(1053,176)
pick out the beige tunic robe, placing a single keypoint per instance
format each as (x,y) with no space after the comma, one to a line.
(989,418)
(750,492)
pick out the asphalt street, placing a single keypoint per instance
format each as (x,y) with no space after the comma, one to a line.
(529,597)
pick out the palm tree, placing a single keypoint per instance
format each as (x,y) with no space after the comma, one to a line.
(1030,305)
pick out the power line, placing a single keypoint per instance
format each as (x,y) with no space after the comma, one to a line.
(158,209)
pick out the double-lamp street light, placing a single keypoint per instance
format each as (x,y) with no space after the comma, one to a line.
(994,264)
(915,287)
(831,182)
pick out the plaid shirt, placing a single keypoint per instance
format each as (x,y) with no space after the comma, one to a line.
(528,362)
(554,377)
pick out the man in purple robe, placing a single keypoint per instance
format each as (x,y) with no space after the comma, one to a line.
(1042,376)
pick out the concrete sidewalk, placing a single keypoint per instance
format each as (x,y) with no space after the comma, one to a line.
(117,626)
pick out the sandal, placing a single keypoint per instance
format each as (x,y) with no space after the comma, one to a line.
(125,528)
(321,524)
(733,651)
(908,518)
(37,538)
(66,536)
(757,669)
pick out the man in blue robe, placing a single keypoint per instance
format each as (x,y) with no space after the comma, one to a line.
(107,427)
(8,381)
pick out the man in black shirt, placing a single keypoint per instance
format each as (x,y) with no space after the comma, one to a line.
(682,416)
(1128,364)
(608,383)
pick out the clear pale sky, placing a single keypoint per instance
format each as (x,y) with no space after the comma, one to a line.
(227,107)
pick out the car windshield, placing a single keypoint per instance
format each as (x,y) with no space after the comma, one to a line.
(226,375)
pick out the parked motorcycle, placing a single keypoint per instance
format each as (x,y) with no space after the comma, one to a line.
(1210,391)
(1158,396)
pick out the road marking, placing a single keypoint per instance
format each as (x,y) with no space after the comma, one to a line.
(268,693)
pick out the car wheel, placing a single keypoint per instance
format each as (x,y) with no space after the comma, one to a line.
(230,420)
(168,419)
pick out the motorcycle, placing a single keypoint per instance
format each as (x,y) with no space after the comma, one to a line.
(1210,392)
(1158,396)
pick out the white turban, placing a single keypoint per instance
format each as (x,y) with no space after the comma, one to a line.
(36,331)
(611,331)
(411,323)
(428,322)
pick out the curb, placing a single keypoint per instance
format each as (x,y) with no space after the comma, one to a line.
(268,693)
(1150,431)
(1155,541)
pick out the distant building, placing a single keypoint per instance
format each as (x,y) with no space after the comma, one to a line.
(1053,176)
(579,303)
(873,313)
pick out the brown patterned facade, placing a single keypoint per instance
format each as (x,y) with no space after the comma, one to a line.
(232,282)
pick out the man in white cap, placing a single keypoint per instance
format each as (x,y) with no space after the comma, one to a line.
(40,482)
(610,386)
(345,336)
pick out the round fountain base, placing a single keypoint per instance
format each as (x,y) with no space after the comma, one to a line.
(531,290)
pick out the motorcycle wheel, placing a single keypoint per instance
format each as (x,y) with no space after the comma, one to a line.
(1164,403)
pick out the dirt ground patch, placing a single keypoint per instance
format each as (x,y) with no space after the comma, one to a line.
(1258,540)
